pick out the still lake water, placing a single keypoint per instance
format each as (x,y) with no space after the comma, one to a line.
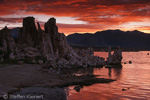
(133,78)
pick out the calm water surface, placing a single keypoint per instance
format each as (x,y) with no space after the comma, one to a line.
(133,78)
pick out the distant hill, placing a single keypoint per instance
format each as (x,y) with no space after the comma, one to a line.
(129,39)
(15,32)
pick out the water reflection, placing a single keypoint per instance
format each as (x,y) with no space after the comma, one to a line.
(109,74)
(116,69)
(117,72)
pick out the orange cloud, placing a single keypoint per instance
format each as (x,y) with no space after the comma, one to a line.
(98,14)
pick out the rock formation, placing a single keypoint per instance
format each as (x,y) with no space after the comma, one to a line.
(7,43)
(114,58)
(37,44)
(28,35)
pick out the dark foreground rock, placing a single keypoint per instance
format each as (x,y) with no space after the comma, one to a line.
(84,81)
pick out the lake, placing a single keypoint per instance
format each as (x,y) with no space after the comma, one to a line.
(133,80)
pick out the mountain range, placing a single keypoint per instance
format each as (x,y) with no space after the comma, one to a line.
(125,39)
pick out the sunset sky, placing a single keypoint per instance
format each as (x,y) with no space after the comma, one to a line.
(79,15)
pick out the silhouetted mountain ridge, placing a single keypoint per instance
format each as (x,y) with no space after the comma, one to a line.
(125,39)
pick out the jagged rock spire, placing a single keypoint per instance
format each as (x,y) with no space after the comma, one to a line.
(28,34)
(29,22)
(50,26)
(5,27)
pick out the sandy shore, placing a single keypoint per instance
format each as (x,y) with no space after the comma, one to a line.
(14,77)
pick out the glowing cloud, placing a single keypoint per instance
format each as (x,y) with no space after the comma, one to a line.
(79,15)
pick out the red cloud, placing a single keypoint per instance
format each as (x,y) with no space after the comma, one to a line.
(97,13)
(11,20)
